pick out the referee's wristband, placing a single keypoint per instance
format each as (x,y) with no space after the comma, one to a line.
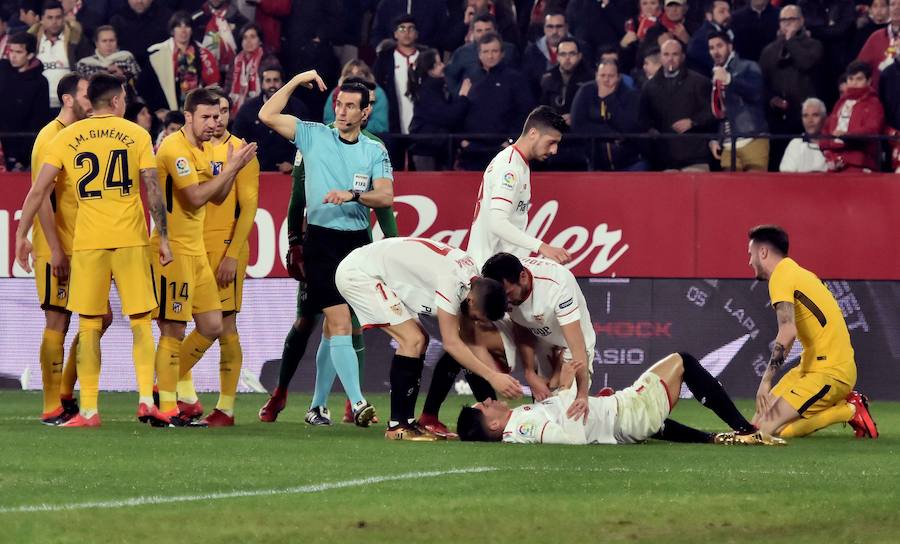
(356,195)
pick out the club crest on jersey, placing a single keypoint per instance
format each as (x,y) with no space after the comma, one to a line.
(216,167)
(397,309)
(509,180)
(527,429)
(538,317)
(182,166)
(60,293)
(176,307)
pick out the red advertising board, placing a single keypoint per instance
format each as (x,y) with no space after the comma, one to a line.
(658,225)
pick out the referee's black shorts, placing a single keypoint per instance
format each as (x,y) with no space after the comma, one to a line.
(323,250)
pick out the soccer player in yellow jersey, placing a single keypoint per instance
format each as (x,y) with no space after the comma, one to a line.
(225,233)
(105,158)
(819,391)
(187,286)
(52,252)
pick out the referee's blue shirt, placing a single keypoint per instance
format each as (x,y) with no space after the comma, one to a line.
(334,164)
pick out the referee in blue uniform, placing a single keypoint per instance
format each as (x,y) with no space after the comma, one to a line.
(346,174)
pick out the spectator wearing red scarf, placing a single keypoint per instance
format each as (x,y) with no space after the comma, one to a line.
(243,79)
(215,26)
(180,65)
(859,111)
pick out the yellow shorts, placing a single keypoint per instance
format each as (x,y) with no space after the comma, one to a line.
(92,270)
(186,287)
(811,392)
(231,296)
(52,293)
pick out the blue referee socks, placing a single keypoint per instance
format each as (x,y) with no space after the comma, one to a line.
(343,357)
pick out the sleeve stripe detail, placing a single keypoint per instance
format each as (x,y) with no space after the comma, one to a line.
(442,296)
(541,439)
(569,312)
(545,278)
(501,198)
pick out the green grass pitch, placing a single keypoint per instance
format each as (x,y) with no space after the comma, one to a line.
(343,484)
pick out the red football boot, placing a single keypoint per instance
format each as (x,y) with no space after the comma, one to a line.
(433,425)
(218,418)
(149,413)
(270,410)
(81,421)
(191,411)
(862,421)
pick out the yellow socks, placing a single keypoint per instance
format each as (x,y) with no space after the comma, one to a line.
(70,373)
(88,361)
(192,349)
(143,354)
(51,357)
(839,413)
(167,369)
(185,388)
(229,371)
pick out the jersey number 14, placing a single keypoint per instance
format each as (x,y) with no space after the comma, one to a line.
(116,176)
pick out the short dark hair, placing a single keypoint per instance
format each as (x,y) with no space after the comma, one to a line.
(50,4)
(491,297)
(711,5)
(220,92)
(104,28)
(406,18)
(554,12)
(503,266)
(179,18)
(362,81)
(857,67)
(484,17)
(608,49)
(489,37)
(720,34)
(68,84)
(134,108)
(569,39)
(772,235)
(202,96)
(24,38)
(102,87)
(470,425)
(357,88)
(173,116)
(271,66)
(543,118)
(251,26)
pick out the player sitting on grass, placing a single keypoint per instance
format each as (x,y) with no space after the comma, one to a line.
(628,416)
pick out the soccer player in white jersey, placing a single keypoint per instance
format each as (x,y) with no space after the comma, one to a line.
(387,283)
(545,299)
(629,416)
(504,197)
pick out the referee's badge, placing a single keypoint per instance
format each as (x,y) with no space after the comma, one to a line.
(360,182)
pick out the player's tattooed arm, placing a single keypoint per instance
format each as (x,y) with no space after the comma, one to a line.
(156,201)
(787,333)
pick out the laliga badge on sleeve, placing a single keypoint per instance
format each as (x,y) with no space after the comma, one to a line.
(182,166)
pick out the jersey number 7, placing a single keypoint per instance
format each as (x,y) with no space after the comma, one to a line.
(116,176)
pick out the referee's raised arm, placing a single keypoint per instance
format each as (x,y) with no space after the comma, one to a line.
(270,113)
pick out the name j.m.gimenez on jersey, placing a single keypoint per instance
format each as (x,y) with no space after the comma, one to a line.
(110,133)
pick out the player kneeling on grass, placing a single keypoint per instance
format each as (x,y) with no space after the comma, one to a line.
(388,282)
(628,416)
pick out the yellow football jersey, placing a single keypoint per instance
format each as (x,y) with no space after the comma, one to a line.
(229,223)
(820,323)
(62,199)
(102,157)
(181,165)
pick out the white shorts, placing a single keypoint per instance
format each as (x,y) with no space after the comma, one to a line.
(642,409)
(373,302)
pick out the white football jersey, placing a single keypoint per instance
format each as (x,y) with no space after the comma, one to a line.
(547,423)
(505,186)
(555,300)
(424,274)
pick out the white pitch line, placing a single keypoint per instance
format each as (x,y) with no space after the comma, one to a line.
(303,489)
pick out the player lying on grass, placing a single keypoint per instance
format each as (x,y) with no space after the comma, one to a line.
(391,281)
(632,415)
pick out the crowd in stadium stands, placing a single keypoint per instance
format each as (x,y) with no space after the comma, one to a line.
(644,84)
